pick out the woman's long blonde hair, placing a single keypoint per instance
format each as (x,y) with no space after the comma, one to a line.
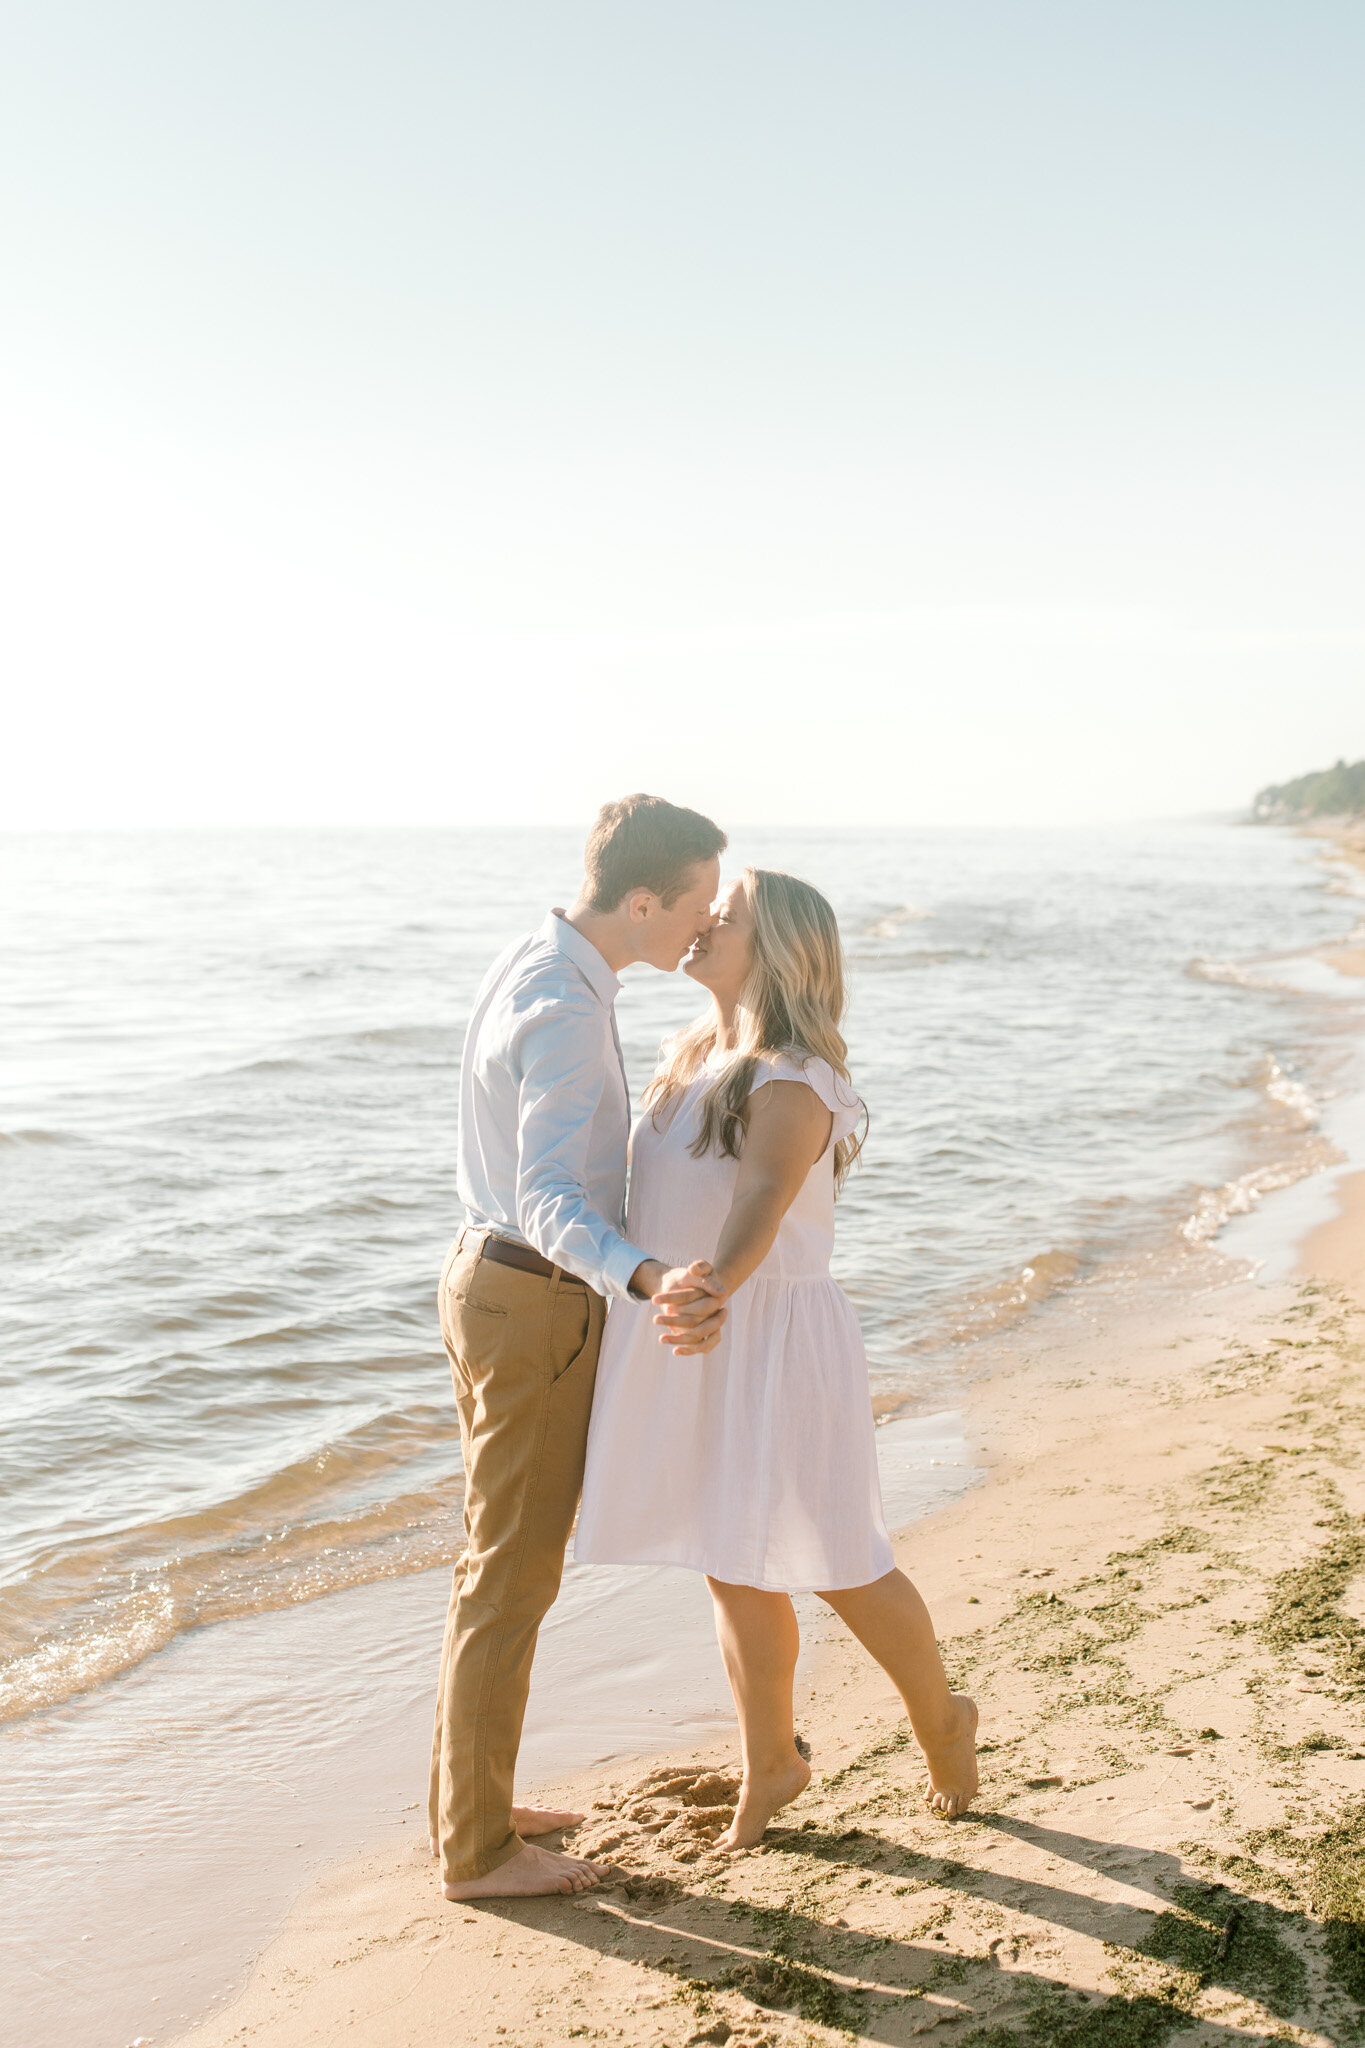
(792,1002)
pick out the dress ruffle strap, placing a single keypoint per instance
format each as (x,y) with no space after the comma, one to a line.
(836,1094)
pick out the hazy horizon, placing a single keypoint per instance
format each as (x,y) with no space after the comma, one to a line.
(453,415)
(735,827)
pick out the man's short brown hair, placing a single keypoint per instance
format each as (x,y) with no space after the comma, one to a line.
(644,843)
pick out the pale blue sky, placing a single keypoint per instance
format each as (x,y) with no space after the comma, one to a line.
(859,412)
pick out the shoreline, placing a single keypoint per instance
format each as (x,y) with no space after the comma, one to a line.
(1335,1249)
(1109,1591)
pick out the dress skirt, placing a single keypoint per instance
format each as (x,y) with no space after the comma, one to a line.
(756,1464)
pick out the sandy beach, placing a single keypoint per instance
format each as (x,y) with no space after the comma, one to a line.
(1151,1597)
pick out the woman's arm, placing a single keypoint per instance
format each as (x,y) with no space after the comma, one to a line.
(789,1129)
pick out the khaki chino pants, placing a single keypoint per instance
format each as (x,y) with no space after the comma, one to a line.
(523,1355)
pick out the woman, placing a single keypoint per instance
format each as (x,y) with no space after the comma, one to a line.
(756,1463)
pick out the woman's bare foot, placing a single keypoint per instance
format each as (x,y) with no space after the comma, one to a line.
(952,1764)
(533,1820)
(759,1799)
(529,1874)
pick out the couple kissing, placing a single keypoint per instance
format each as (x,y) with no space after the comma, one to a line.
(719,1417)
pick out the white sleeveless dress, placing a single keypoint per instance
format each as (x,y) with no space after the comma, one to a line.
(755,1463)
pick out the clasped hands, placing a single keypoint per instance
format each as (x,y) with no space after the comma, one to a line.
(691,1304)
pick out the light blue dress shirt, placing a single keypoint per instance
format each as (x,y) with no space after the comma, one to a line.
(545,1108)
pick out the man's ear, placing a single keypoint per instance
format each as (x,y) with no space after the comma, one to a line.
(638,904)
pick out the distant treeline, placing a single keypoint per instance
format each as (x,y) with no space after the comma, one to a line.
(1330,793)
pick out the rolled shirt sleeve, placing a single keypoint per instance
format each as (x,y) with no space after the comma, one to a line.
(560,1077)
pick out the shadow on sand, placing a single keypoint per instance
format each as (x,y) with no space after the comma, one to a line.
(884,1989)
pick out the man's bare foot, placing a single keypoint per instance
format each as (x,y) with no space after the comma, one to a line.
(533,1820)
(529,1874)
(543,1820)
(759,1800)
(952,1764)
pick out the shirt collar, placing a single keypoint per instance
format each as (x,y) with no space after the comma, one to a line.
(559,933)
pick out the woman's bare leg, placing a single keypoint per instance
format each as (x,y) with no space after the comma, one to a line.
(892,1624)
(759,1642)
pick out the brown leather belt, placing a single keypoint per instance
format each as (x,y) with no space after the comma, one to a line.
(504,1253)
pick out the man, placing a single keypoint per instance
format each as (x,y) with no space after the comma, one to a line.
(544,1123)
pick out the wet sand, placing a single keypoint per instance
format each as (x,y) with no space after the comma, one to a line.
(1153,1598)
(1336,1249)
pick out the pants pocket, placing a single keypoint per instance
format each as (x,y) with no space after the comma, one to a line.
(575,1331)
(471,1283)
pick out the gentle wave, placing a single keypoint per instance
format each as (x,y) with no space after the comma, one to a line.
(891,922)
(1237,1197)
(1016,1294)
(139,1613)
(1217,1206)
(1308,971)
(98,1603)
(1003,1301)
(1291,1094)
(1236,974)
(912,956)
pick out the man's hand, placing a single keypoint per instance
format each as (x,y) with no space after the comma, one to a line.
(690,1300)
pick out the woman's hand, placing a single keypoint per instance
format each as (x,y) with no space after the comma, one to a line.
(692,1315)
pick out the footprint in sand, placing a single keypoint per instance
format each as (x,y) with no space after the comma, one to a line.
(678,1812)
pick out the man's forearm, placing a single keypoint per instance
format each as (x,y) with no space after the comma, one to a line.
(556,1217)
